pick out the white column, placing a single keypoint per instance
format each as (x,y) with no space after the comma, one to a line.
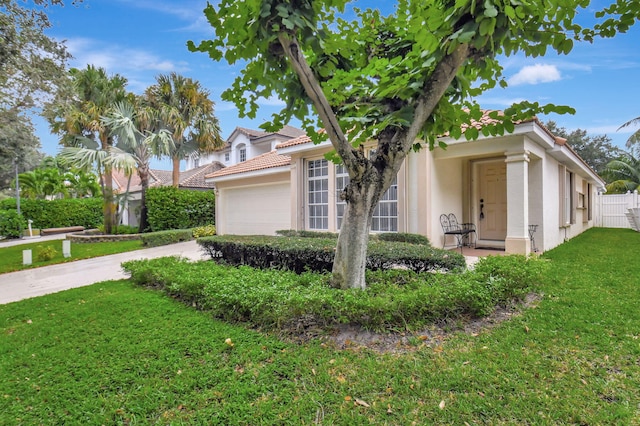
(517,241)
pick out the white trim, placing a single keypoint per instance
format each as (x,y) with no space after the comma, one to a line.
(303,147)
(246,175)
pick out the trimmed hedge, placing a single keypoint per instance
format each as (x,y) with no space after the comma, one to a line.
(162,238)
(59,213)
(317,254)
(173,208)
(394,300)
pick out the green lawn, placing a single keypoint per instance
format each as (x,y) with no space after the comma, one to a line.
(112,353)
(11,257)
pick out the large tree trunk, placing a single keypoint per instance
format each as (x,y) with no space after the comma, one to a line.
(176,171)
(362,195)
(351,251)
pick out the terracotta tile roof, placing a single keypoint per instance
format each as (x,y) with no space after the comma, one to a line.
(195,178)
(189,179)
(293,142)
(265,161)
(250,133)
(290,132)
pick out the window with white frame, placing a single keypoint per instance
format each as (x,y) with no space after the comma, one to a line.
(226,157)
(242,153)
(196,162)
(567,196)
(385,215)
(318,194)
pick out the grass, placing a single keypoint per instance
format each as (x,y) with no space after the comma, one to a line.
(113,353)
(11,257)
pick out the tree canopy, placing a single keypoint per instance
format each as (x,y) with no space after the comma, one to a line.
(32,68)
(398,79)
(597,151)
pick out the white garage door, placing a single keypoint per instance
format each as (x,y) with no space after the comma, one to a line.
(255,210)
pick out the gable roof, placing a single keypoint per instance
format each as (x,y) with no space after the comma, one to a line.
(189,179)
(293,142)
(195,178)
(265,161)
(287,132)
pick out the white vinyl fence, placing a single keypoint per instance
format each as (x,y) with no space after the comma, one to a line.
(611,209)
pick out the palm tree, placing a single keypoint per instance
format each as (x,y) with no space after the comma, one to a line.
(135,126)
(635,136)
(42,183)
(624,173)
(79,122)
(188,114)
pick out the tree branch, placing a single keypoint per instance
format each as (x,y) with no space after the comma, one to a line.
(434,89)
(314,91)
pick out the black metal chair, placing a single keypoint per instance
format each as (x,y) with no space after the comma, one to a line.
(462,232)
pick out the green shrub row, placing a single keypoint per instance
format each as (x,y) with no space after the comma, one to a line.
(162,238)
(60,213)
(173,208)
(393,300)
(400,237)
(317,254)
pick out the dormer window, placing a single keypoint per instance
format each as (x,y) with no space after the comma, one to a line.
(226,157)
(242,153)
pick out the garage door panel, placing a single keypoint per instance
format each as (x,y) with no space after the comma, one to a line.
(255,210)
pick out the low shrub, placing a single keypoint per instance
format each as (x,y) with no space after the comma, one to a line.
(45,254)
(273,299)
(204,231)
(402,237)
(11,224)
(510,275)
(121,229)
(301,254)
(161,238)
(306,234)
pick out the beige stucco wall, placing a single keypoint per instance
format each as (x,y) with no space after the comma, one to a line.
(255,206)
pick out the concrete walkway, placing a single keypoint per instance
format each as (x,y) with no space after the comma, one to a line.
(34,282)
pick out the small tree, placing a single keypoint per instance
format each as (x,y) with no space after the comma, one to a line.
(135,125)
(395,79)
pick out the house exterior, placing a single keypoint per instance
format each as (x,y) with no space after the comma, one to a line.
(501,184)
(244,144)
(193,179)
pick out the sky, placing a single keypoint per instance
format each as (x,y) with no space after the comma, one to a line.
(140,39)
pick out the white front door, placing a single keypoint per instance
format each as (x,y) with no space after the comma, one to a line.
(492,200)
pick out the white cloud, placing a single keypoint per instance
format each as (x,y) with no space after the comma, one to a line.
(119,59)
(535,74)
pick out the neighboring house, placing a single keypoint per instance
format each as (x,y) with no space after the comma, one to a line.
(501,184)
(245,144)
(193,179)
(242,145)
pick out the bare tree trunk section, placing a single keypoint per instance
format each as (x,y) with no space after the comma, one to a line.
(176,171)
(109,207)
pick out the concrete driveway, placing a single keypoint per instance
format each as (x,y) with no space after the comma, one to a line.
(34,282)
